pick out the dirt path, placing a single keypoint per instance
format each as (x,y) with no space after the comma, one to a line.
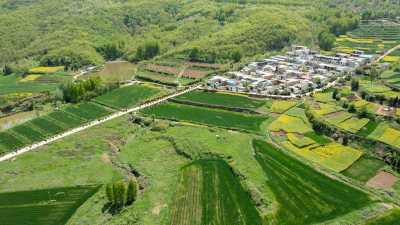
(91,124)
(387,53)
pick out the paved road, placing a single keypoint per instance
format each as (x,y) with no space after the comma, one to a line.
(94,123)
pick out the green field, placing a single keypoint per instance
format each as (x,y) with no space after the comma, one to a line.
(303,195)
(390,217)
(221,100)
(29,132)
(391,77)
(368,129)
(206,116)
(364,168)
(47,125)
(64,118)
(87,110)
(319,139)
(126,97)
(208,193)
(10,84)
(8,141)
(34,207)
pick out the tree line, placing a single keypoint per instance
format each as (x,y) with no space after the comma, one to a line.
(84,90)
(119,196)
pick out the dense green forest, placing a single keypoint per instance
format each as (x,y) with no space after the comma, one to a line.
(84,32)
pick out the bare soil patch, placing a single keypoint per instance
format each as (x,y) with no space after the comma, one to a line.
(274,114)
(261,111)
(281,133)
(299,136)
(382,180)
(233,132)
(158,208)
(106,157)
(386,110)
(352,97)
(333,114)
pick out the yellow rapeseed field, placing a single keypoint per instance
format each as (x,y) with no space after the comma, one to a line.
(290,124)
(282,106)
(391,58)
(46,69)
(30,78)
(229,93)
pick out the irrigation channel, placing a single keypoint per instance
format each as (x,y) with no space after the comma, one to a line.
(91,124)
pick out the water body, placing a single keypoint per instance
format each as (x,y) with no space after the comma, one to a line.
(16,119)
(122,70)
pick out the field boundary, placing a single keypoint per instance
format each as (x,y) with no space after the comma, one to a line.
(93,123)
(234,109)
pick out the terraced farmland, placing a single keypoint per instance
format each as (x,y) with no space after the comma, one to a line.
(302,195)
(372,38)
(34,207)
(9,141)
(47,125)
(207,192)
(87,111)
(30,132)
(290,124)
(65,119)
(220,99)
(391,78)
(206,116)
(127,97)
(282,106)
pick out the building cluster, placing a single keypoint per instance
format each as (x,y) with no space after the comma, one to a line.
(298,71)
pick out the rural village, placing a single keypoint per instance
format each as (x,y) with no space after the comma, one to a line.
(299,71)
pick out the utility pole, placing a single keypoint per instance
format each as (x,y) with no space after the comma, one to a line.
(312,37)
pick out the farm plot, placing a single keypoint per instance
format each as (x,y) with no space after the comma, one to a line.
(364,168)
(127,97)
(290,124)
(193,74)
(206,192)
(47,125)
(353,125)
(332,156)
(360,103)
(11,84)
(303,195)
(282,106)
(339,119)
(298,112)
(324,97)
(392,78)
(203,65)
(150,76)
(299,142)
(34,207)
(368,129)
(29,132)
(206,116)
(64,118)
(163,69)
(9,141)
(221,100)
(46,69)
(320,140)
(327,109)
(87,111)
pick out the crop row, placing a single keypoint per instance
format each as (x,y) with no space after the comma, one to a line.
(221,100)
(204,65)
(206,116)
(87,110)
(126,97)
(163,69)
(193,74)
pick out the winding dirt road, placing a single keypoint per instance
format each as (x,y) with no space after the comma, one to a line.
(91,124)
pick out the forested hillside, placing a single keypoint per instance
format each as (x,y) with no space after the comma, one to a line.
(77,33)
